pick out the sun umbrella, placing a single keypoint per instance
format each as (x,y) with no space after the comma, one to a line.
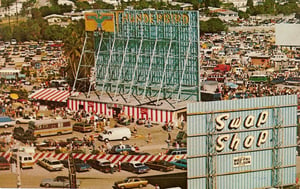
(14,96)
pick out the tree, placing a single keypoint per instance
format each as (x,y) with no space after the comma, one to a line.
(243,15)
(27,7)
(101,5)
(269,6)
(54,32)
(213,25)
(6,4)
(250,3)
(72,48)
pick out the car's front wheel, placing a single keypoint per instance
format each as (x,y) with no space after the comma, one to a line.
(141,186)
(47,185)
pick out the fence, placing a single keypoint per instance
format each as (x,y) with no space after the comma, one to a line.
(111,157)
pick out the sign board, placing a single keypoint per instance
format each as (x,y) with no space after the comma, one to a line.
(139,51)
(251,141)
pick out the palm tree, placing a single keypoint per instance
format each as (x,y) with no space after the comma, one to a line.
(72,49)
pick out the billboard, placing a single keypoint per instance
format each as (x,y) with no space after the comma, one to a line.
(248,143)
(100,20)
(151,53)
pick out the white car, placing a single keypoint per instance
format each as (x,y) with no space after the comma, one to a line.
(51,164)
(25,119)
(23,54)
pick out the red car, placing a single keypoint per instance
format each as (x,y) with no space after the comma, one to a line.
(222,68)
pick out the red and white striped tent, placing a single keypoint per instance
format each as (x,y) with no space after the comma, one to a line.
(51,94)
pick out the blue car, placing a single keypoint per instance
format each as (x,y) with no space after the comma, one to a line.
(180,164)
(80,165)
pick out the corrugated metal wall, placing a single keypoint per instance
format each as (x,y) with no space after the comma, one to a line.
(202,136)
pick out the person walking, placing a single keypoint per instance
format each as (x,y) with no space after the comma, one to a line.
(112,168)
(168,141)
(149,138)
(119,166)
(182,124)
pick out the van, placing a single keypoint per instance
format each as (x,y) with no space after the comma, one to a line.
(6,121)
(26,160)
(120,133)
(82,127)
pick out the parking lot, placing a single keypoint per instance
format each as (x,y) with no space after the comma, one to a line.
(93,177)
(31,178)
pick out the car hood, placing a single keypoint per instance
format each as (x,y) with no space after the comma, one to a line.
(119,182)
(47,180)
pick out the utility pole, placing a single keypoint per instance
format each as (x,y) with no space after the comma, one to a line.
(72,170)
(18,171)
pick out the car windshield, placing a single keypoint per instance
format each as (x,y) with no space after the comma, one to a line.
(105,163)
(183,162)
(54,162)
(139,164)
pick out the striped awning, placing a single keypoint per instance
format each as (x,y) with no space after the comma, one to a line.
(50,94)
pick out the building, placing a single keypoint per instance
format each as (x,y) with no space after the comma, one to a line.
(56,19)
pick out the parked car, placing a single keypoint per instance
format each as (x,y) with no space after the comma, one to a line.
(46,145)
(222,68)
(131,182)
(51,164)
(44,58)
(76,141)
(135,167)
(6,121)
(82,127)
(101,165)
(22,54)
(24,136)
(278,80)
(140,121)
(4,164)
(177,151)
(121,148)
(80,165)
(180,163)
(59,181)
(25,119)
(160,165)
